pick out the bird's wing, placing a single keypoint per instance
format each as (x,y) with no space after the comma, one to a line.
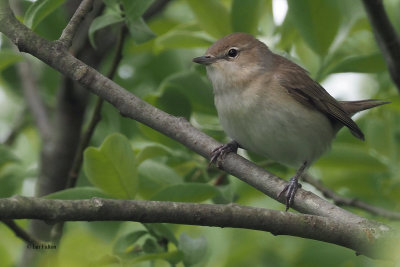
(305,90)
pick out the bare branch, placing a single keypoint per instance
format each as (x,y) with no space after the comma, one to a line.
(363,237)
(386,37)
(73,25)
(350,202)
(21,233)
(155,8)
(177,128)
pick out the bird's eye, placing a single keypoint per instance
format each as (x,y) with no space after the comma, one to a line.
(232,52)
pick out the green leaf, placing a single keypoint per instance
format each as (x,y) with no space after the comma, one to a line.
(125,243)
(139,31)
(151,151)
(135,8)
(350,156)
(226,194)
(181,39)
(39,10)
(245,15)
(212,16)
(11,175)
(112,168)
(373,63)
(316,21)
(150,246)
(175,103)
(187,192)
(160,230)
(158,137)
(154,176)
(11,179)
(289,35)
(85,192)
(172,257)
(194,249)
(6,156)
(138,28)
(102,22)
(193,87)
(113,5)
(9,57)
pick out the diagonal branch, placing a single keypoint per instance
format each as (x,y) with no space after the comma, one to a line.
(387,38)
(73,25)
(21,233)
(350,202)
(364,238)
(179,129)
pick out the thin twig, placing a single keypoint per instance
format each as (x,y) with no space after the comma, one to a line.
(387,38)
(21,233)
(350,202)
(73,25)
(155,8)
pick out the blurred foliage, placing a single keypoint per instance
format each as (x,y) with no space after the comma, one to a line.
(324,36)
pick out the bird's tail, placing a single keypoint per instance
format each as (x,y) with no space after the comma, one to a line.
(352,107)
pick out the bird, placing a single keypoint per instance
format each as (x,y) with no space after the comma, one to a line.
(269,105)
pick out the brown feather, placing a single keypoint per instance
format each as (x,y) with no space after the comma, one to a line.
(308,92)
(352,107)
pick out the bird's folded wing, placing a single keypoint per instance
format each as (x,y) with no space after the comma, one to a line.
(308,92)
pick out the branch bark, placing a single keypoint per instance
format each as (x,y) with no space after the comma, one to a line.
(364,238)
(21,233)
(179,129)
(350,202)
(73,25)
(386,37)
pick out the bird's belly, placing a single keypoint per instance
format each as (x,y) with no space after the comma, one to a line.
(289,134)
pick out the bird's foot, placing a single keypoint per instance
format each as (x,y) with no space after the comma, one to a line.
(290,191)
(218,154)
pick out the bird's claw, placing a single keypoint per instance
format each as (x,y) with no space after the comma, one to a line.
(290,191)
(218,154)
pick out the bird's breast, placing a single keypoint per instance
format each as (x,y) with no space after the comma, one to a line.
(271,123)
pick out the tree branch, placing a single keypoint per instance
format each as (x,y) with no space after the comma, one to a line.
(155,8)
(364,238)
(350,202)
(179,129)
(386,37)
(21,233)
(73,25)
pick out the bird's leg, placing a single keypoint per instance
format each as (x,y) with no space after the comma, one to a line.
(220,152)
(291,188)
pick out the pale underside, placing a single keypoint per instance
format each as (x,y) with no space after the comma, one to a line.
(269,121)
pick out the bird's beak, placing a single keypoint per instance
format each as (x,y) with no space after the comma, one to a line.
(205,60)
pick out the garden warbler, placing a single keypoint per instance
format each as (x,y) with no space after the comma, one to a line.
(269,105)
